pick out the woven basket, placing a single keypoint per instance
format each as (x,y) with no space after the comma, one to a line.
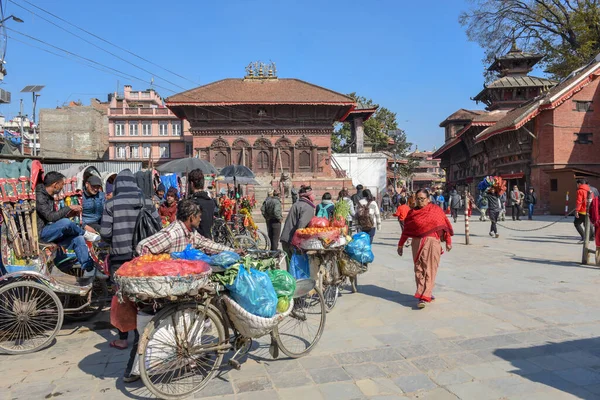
(158,287)
(250,325)
(350,267)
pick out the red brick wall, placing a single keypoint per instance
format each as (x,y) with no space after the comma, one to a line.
(556,148)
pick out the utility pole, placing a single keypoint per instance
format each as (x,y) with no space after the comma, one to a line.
(466,215)
(21,126)
(33,89)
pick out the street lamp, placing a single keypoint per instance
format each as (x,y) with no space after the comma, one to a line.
(33,89)
(16,19)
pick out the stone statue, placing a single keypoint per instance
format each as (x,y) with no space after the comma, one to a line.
(287,183)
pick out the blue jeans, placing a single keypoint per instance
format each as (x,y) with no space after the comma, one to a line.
(530,206)
(68,234)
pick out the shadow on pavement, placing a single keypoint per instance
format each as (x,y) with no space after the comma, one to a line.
(570,366)
(553,262)
(523,239)
(387,294)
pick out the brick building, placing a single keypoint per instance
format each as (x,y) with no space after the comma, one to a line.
(142,128)
(74,131)
(545,142)
(269,124)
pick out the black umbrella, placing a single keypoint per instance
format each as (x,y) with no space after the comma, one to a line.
(237,171)
(187,165)
(242,180)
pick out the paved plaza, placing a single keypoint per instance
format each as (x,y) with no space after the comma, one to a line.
(514,318)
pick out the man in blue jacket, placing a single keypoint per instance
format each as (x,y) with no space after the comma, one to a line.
(93,204)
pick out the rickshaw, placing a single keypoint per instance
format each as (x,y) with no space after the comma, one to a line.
(34,294)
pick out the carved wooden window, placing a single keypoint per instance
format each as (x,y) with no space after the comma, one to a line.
(220,159)
(237,158)
(286,160)
(304,160)
(262,161)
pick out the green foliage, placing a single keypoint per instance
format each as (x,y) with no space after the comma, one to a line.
(376,128)
(566,32)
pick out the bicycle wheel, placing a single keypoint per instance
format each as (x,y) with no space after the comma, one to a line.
(262,240)
(30,317)
(330,295)
(99,301)
(298,334)
(179,351)
(244,242)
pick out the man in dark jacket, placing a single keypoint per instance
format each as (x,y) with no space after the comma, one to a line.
(494,208)
(271,210)
(298,217)
(356,197)
(454,203)
(202,198)
(56,227)
(118,226)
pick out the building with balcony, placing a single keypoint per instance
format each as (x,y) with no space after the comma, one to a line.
(141,128)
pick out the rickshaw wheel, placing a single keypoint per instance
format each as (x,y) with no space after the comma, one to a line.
(173,363)
(99,300)
(30,317)
(330,294)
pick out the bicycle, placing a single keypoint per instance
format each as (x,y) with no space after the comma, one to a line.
(183,346)
(223,233)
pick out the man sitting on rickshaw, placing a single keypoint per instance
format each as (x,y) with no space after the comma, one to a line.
(56,227)
(93,204)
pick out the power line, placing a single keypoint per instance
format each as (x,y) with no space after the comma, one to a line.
(105,41)
(98,47)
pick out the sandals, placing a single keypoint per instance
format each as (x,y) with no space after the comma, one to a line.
(114,345)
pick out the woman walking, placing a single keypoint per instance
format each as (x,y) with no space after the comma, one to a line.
(368,215)
(428,225)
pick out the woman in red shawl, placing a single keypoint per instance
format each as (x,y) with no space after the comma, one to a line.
(428,225)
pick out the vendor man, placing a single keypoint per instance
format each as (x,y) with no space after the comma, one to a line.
(184,231)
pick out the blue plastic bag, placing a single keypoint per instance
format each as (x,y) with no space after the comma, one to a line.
(299,266)
(254,291)
(192,254)
(359,249)
(224,259)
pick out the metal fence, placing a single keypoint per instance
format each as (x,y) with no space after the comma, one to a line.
(101,166)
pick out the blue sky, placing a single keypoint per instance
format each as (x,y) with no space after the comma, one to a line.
(411,57)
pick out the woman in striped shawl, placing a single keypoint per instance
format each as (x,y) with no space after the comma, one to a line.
(118,224)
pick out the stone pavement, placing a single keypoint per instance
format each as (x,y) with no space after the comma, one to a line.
(515,318)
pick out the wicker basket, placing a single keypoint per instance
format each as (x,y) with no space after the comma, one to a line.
(158,287)
(350,267)
(250,325)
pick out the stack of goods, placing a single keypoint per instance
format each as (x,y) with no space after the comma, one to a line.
(226,206)
(341,214)
(495,182)
(259,296)
(161,276)
(318,236)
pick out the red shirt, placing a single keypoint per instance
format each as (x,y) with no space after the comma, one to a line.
(169,212)
(402,211)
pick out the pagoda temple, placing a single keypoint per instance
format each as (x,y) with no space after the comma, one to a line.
(269,124)
(514,86)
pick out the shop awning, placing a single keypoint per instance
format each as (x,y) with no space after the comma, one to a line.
(518,175)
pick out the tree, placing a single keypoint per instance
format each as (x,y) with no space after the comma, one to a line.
(566,32)
(376,128)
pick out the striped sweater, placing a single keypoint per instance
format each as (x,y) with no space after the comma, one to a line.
(120,215)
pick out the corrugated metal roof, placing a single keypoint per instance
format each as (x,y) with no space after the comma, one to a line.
(520,81)
(102,166)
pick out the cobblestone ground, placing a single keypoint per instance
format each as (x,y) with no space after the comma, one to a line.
(515,318)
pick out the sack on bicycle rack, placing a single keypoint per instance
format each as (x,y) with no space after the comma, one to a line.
(254,291)
(224,259)
(250,325)
(350,267)
(160,287)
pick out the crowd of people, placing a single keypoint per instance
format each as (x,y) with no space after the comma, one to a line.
(134,224)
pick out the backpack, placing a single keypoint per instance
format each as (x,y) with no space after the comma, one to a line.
(323,211)
(145,225)
(364,217)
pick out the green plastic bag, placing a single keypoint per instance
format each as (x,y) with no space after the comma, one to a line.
(283,283)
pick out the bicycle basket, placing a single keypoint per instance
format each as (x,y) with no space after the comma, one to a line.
(250,325)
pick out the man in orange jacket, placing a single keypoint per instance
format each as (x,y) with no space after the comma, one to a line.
(581,208)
